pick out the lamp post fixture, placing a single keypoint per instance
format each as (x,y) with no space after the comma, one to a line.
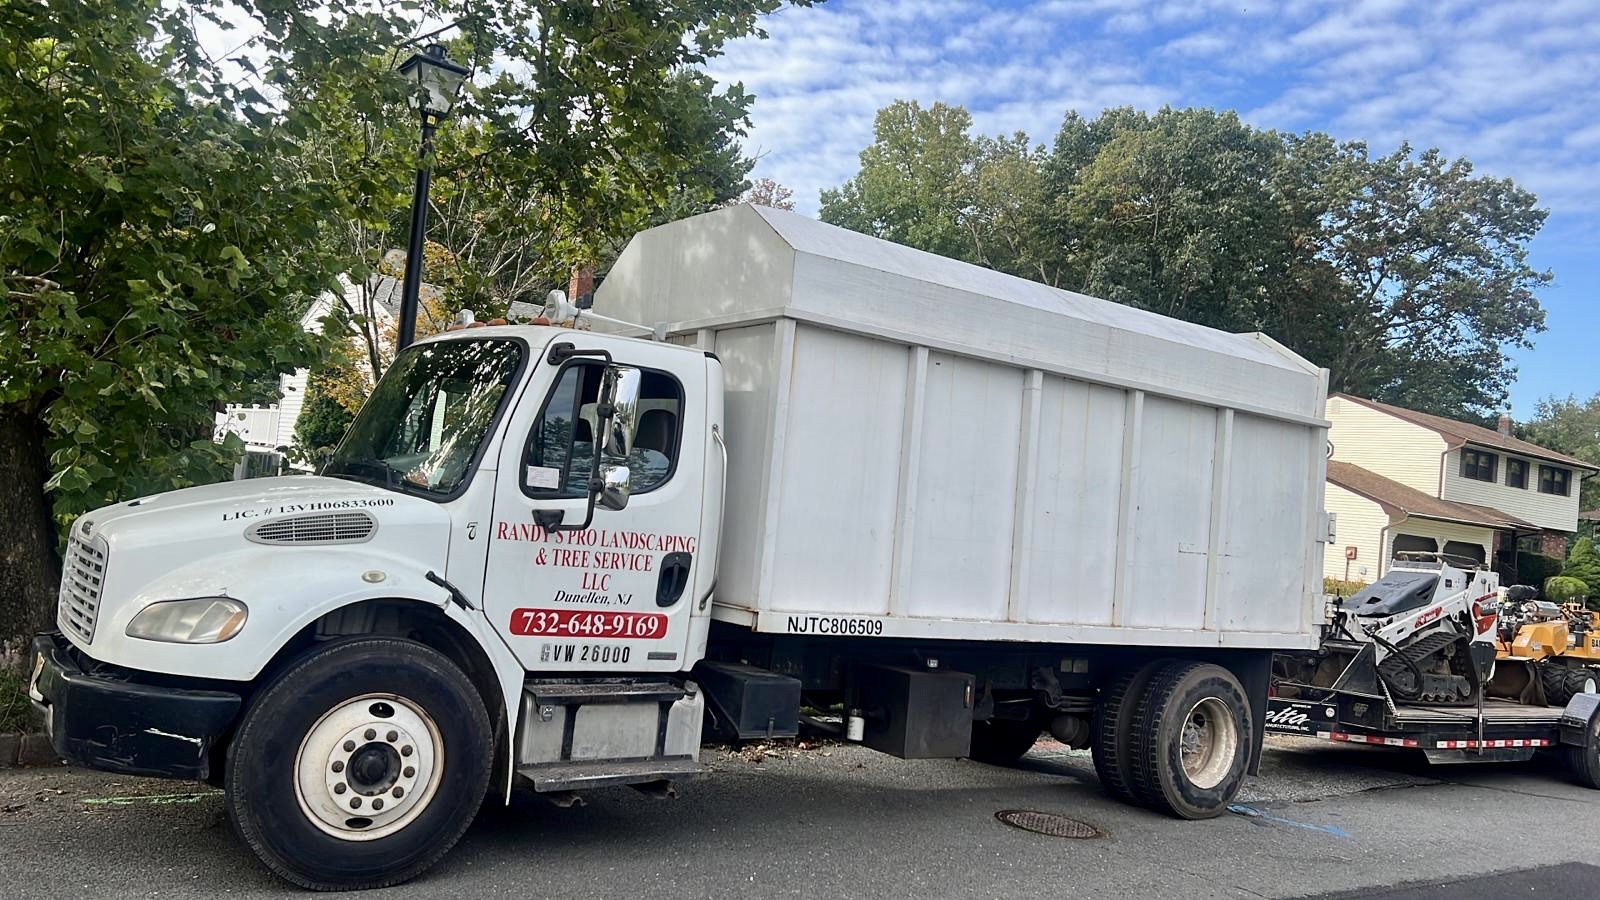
(435,81)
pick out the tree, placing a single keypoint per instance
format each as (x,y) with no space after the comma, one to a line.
(1572,427)
(766,192)
(167,218)
(1406,275)
(1437,264)
(322,422)
(916,180)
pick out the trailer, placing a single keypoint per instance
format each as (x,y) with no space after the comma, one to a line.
(1414,661)
(951,507)
(1498,730)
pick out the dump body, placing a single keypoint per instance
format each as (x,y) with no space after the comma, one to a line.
(924,448)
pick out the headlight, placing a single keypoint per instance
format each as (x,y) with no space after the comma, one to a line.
(203,620)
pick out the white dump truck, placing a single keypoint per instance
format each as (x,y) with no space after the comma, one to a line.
(934,508)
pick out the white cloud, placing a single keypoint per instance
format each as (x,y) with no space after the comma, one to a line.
(1511,85)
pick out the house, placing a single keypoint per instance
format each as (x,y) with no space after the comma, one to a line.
(1401,480)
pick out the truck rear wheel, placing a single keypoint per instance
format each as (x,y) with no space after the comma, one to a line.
(1191,740)
(1001,742)
(360,765)
(1112,730)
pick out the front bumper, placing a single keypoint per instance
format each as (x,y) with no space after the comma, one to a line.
(102,719)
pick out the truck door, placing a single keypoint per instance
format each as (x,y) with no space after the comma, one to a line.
(613,596)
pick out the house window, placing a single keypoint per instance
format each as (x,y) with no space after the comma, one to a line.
(1478,465)
(1517,473)
(1555,480)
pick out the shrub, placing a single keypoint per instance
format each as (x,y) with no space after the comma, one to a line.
(322,422)
(1565,589)
(1341,588)
(1583,563)
(1534,568)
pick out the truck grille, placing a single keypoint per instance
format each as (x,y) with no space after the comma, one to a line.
(323,528)
(82,578)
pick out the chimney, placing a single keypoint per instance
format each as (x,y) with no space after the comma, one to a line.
(1505,424)
(581,290)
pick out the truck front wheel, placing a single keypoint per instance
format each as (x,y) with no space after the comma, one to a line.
(360,765)
(1191,740)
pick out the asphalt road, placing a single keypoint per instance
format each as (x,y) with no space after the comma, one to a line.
(840,821)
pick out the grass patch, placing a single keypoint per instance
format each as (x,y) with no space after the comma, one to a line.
(16,711)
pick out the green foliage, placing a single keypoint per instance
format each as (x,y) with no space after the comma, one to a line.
(1405,274)
(1536,568)
(322,421)
(166,218)
(1572,427)
(1565,589)
(16,711)
(1341,588)
(1583,563)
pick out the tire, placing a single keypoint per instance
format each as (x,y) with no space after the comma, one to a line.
(1581,680)
(1111,730)
(1001,742)
(1557,682)
(1191,742)
(1583,760)
(364,708)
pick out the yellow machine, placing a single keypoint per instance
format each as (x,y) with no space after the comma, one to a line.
(1557,647)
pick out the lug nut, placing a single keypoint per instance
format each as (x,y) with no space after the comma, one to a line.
(355,802)
(349,745)
(370,734)
(378,803)
(338,766)
(399,792)
(339,788)
(410,772)
(393,736)
(406,750)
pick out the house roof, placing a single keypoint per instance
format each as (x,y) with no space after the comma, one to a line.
(1396,497)
(1458,433)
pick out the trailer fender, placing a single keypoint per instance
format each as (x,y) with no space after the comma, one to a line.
(1579,720)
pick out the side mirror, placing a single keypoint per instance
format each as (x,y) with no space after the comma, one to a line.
(619,401)
(613,484)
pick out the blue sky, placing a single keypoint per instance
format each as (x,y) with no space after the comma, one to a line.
(1513,85)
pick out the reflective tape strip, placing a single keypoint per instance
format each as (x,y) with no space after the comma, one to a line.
(1367,739)
(1489,745)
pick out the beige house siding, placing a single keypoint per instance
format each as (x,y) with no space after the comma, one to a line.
(1379,442)
(1359,524)
(1551,511)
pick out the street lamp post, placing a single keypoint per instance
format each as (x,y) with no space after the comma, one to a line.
(436,80)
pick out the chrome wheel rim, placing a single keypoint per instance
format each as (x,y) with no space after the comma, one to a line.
(1208,743)
(369,767)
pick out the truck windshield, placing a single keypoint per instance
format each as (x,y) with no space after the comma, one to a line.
(422,427)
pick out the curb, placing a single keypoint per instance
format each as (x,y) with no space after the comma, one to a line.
(17,750)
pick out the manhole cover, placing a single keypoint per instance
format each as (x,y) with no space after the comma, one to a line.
(1047,824)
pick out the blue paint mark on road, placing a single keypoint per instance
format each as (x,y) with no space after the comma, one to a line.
(1250,812)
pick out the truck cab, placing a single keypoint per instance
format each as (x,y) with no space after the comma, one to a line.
(515,508)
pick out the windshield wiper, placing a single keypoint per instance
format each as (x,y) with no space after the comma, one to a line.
(391,477)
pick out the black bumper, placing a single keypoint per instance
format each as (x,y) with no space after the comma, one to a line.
(103,720)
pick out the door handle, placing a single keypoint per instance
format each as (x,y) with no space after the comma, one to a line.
(674,578)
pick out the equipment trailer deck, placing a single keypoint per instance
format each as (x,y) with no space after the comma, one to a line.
(1497,731)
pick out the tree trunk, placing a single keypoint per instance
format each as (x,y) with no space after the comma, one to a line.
(29,568)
